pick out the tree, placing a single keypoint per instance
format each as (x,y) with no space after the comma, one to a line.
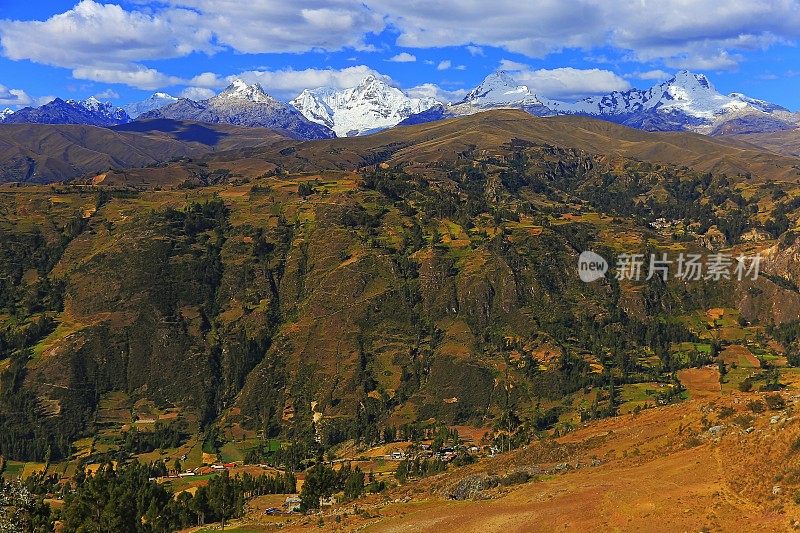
(320,483)
(305,189)
(222,497)
(401,473)
(354,485)
(793,356)
(22,511)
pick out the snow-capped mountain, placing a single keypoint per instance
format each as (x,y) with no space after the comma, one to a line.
(499,89)
(370,106)
(153,102)
(90,111)
(244,105)
(108,111)
(687,101)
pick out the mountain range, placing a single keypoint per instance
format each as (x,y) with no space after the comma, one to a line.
(685,102)
(90,112)
(244,105)
(370,106)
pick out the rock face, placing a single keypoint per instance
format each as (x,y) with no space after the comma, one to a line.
(687,101)
(471,486)
(90,111)
(370,106)
(155,101)
(244,105)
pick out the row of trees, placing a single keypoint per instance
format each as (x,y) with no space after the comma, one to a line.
(125,500)
(322,482)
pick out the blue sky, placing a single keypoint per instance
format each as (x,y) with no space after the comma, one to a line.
(565,49)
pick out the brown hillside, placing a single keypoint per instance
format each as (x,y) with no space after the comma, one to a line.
(689,467)
(492,131)
(781,142)
(45,153)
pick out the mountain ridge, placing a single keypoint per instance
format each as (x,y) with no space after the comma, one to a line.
(244,105)
(687,101)
(369,106)
(89,112)
(45,153)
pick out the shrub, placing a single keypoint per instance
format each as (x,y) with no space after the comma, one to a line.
(515,478)
(743,421)
(795,446)
(775,402)
(726,411)
(756,406)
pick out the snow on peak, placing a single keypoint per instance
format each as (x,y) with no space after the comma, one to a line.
(368,80)
(104,110)
(500,89)
(686,93)
(240,89)
(312,104)
(153,102)
(691,81)
(93,103)
(370,106)
(690,93)
(5,113)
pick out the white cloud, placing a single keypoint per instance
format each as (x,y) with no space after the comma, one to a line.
(566,83)
(197,93)
(657,75)
(45,99)
(719,61)
(434,91)
(403,57)
(667,29)
(444,64)
(135,76)
(530,28)
(104,42)
(113,43)
(271,26)
(507,64)
(208,80)
(103,34)
(108,94)
(13,97)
